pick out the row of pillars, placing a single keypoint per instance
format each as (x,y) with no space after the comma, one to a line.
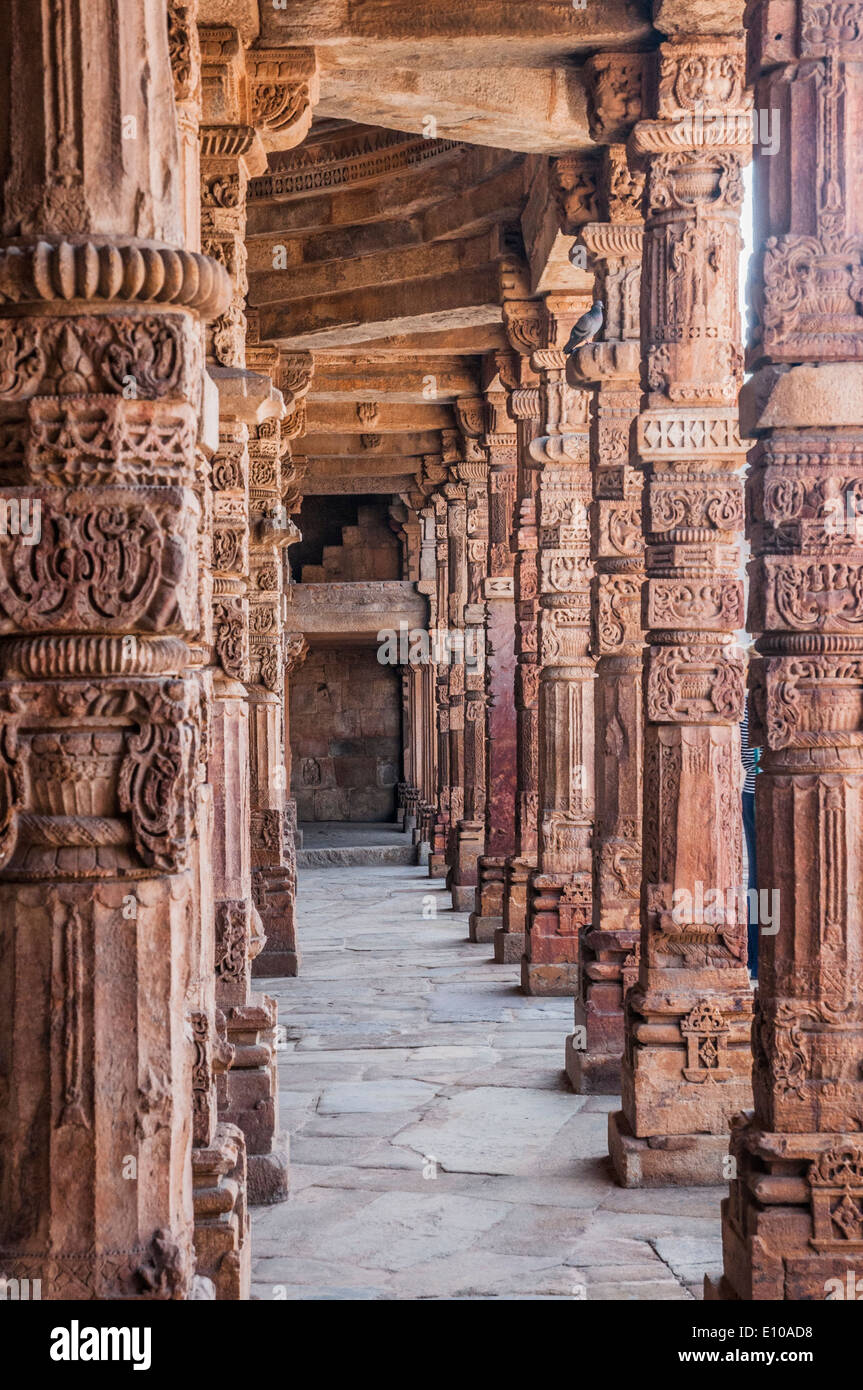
(582,528)
(580,786)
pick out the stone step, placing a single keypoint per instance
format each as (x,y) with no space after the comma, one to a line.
(347,855)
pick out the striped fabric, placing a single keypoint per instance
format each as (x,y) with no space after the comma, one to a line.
(748,756)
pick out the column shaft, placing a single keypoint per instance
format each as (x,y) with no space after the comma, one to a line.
(793,1225)
(687,1059)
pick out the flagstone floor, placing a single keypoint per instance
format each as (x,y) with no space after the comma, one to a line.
(436,1148)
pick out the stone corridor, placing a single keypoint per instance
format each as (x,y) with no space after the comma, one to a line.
(382,443)
(409,1052)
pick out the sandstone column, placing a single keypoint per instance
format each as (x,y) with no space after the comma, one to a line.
(102,730)
(524,329)
(469,836)
(272,829)
(794,1220)
(456,575)
(427,752)
(219,1164)
(251,101)
(687,1059)
(610,946)
(440,819)
(499,589)
(273,654)
(560,889)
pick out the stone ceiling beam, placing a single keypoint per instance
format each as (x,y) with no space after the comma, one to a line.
(461,299)
(369,378)
(360,485)
(538,110)
(498,198)
(349,445)
(451,32)
(432,179)
(486,337)
(370,416)
(439,259)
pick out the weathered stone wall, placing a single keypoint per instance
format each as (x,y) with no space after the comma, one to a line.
(345,736)
(368,550)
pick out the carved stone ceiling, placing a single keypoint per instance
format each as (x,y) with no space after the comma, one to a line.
(384,255)
(381,244)
(492,72)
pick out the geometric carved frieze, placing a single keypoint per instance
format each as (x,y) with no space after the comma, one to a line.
(673,434)
(74,441)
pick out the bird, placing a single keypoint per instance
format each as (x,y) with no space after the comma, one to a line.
(586,328)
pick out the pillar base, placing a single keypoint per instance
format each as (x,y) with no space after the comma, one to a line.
(269,1174)
(463,896)
(546,977)
(668,1160)
(274,893)
(592,1074)
(508,946)
(274,964)
(438,867)
(790,1225)
(423,851)
(483,929)
(222,1245)
(718,1290)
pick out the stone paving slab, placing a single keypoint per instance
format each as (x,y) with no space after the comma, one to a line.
(437,1150)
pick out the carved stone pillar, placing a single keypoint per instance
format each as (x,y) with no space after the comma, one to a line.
(426,767)
(271,532)
(409,527)
(251,102)
(281,953)
(525,333)
(440,820)
(219,1165)
(794,1220)
(595,1049)
(104,824)
(272,827)
(469,831)
(687,1060)
(559,899)
(456,572)
(499,837)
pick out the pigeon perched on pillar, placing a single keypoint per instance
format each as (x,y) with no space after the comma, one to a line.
(586,328)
